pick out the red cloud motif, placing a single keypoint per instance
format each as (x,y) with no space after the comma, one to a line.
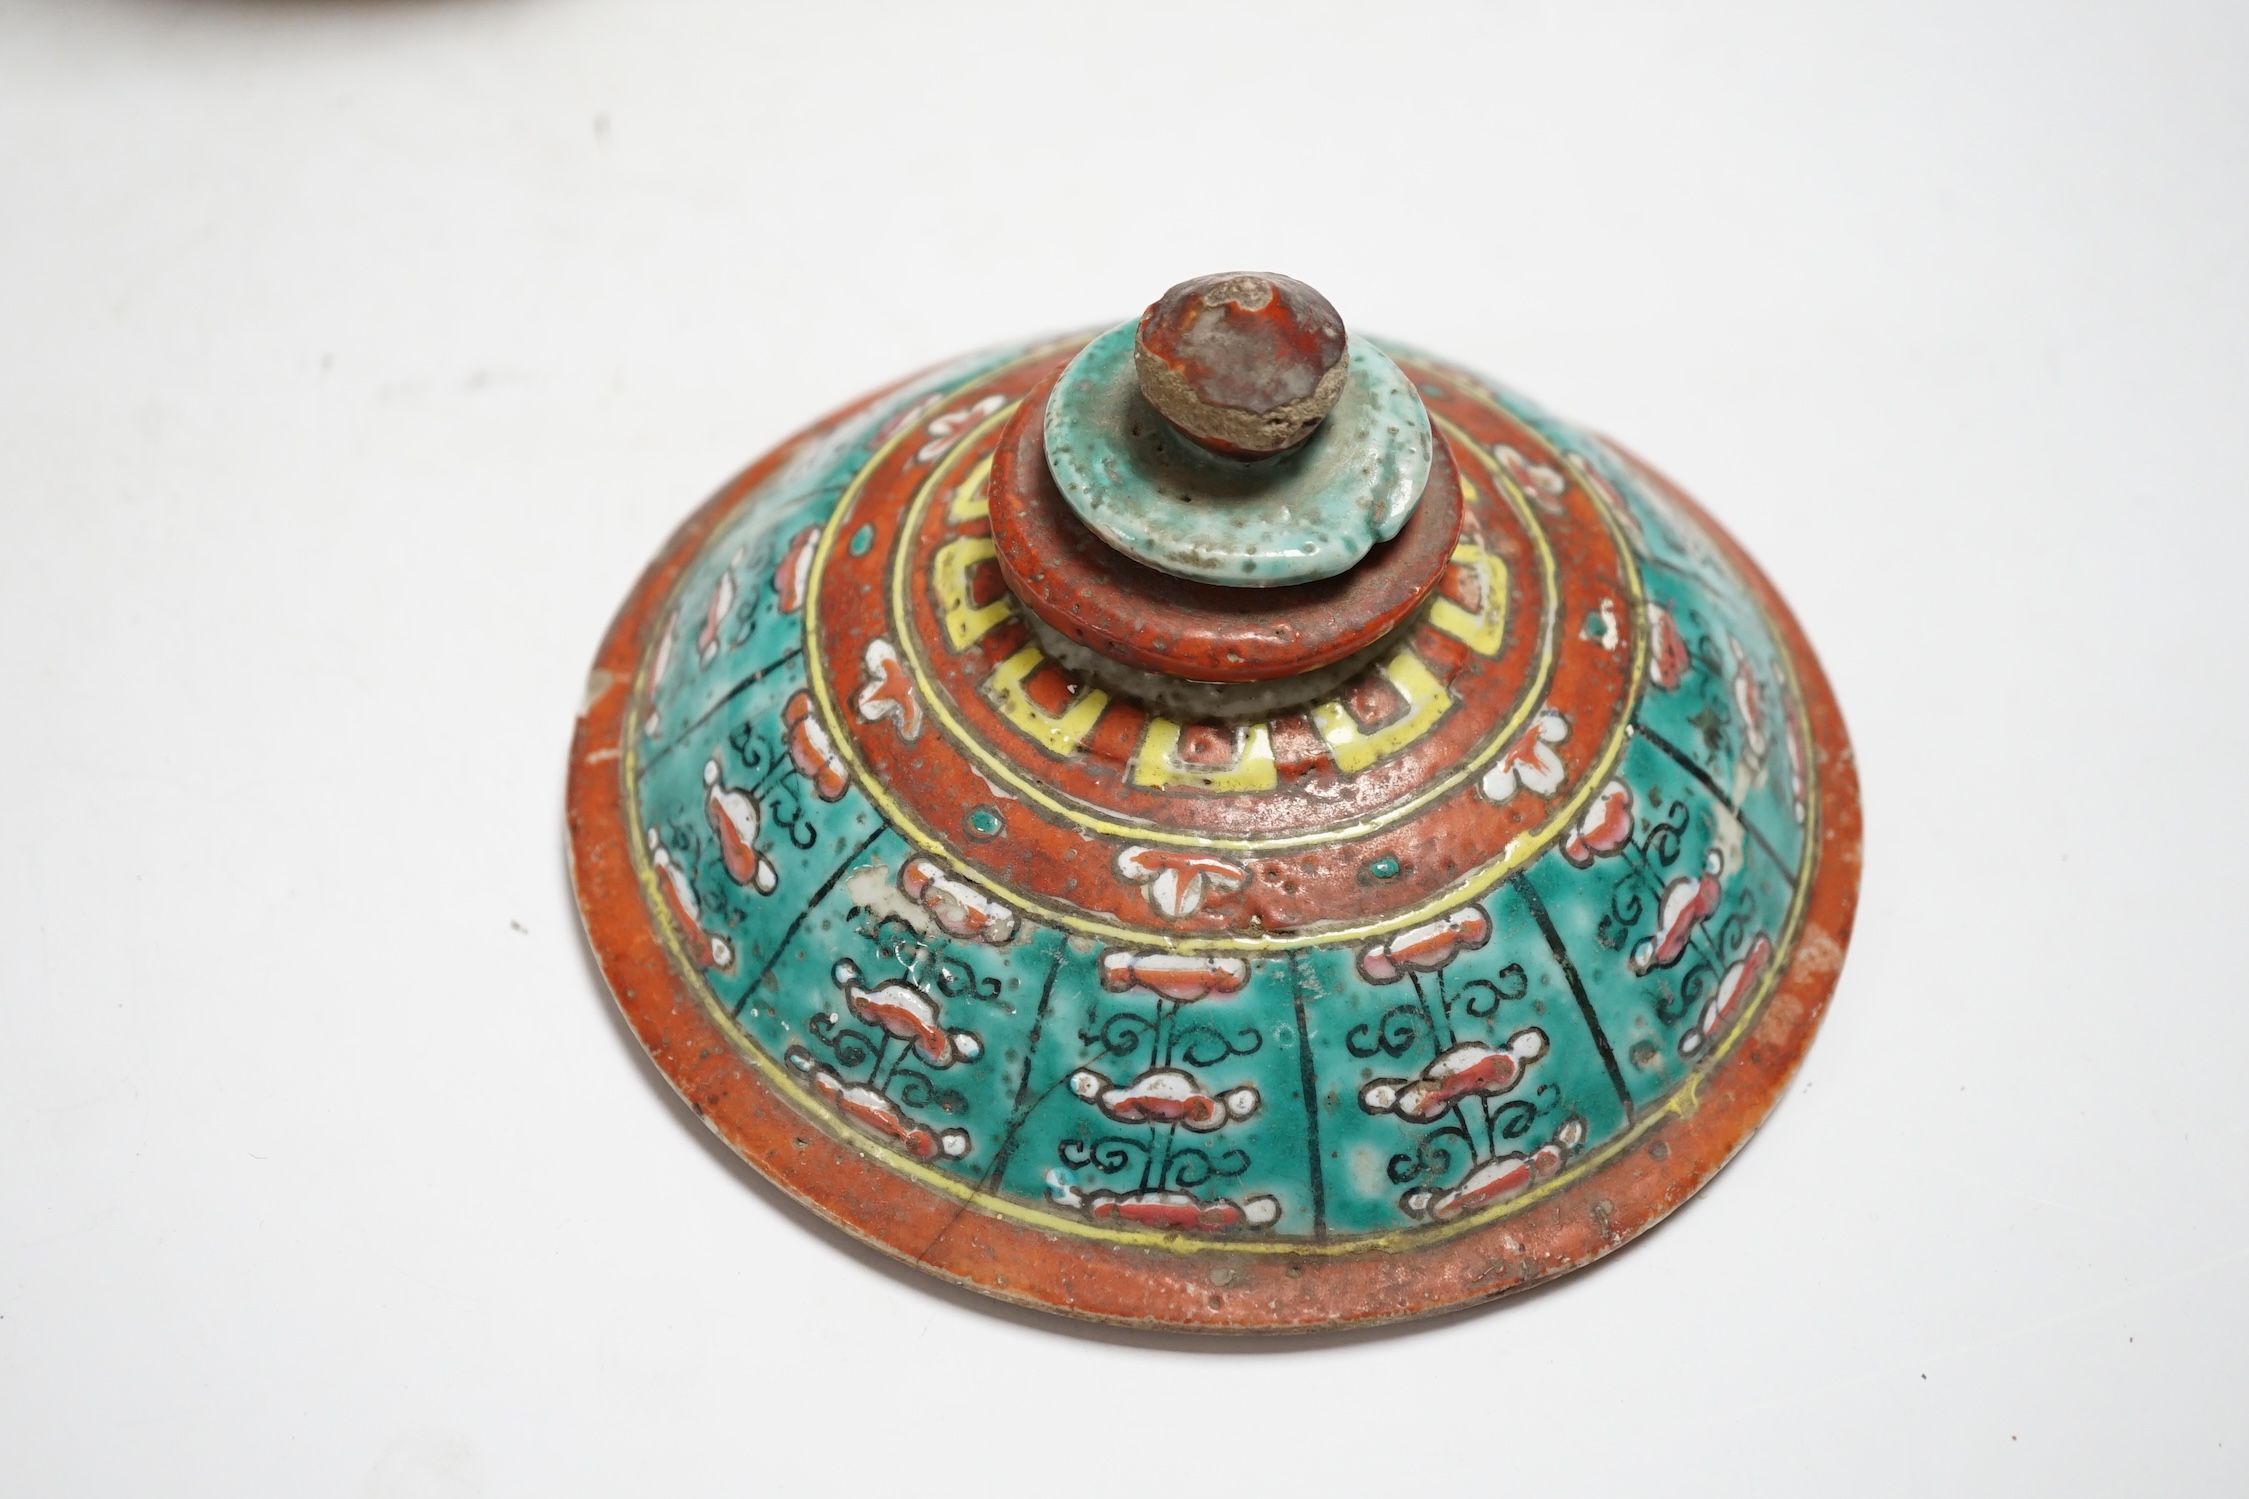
(1738,981)
(951,427)
(1795,759)
(1498,1179)
(960,908)
(1164,1095)
(1178,883)
(905,1013)
(715,610)
(1542,485)
(1469,1070)
(873,1113)
(889,692)
(735,819)
(1605,829)
(1596,481)
(1180,977)
(658,670)
(813,753)
(1427,947)
(1668,661)
(1531,763)
(707,948)
(1687,902)
(1174,1211)
(1748,700)
(794,574)
(899,421)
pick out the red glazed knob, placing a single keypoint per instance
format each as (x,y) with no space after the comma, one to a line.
(1245,364)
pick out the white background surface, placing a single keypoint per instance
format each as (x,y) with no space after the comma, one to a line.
(357,355)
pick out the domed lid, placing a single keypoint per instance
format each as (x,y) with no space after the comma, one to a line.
(1216,824)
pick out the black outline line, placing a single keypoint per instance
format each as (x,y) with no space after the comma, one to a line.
(988,1184)
(808,908)
(1308,1080)
(1687,764)
(649,759)
(1561,953)
(1024,1103)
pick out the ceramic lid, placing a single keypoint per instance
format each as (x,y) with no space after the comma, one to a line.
(1219,823)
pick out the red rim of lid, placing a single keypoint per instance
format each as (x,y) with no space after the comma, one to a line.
(1130,612)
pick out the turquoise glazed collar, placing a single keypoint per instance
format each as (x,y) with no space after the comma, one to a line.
(1309,512)
(1405,887)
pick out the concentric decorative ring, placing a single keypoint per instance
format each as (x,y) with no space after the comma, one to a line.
(1101,598)
(1296,807)
(1166,501)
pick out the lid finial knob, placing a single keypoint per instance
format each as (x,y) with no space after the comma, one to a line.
(1245,364)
